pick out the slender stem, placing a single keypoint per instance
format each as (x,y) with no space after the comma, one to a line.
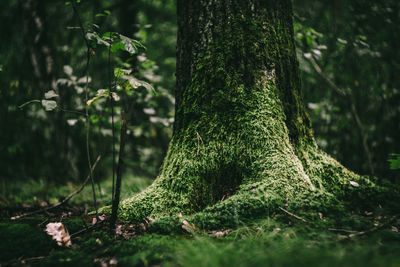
(72,111)
(86,100)
(112,122)
(115,204)
(88,132)
(64,200)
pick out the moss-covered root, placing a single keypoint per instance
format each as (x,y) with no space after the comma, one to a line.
(346,185)
(218,154)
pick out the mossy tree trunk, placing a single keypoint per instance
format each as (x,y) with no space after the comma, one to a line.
(242,142)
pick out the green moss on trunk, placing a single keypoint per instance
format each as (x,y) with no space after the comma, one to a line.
(242,143)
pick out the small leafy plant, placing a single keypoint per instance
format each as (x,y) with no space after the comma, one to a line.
(394,161)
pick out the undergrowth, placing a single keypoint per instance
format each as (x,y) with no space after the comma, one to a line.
(346,236)
(275,241)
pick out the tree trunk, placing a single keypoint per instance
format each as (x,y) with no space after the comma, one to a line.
(242,142)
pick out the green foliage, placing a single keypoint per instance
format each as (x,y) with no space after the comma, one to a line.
(342,39)
(51,129)
(395,162)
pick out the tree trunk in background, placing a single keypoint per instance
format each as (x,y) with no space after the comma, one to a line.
(242,140)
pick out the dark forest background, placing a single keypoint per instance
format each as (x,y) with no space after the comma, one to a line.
(348,54)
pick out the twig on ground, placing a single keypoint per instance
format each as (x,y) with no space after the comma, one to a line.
(374,229)
(22,261)
(93,226)
(293,215)
(342,230)
(360,233)
(64,200)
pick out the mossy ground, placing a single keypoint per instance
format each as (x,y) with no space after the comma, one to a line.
(276,241)
(275,238)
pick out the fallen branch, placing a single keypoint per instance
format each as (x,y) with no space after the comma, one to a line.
(342,230)
(64,200)
(291,214)
(22,261)
(356,233)
(374,229)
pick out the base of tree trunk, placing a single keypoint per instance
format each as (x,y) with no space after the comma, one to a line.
(224,168)
(242,144)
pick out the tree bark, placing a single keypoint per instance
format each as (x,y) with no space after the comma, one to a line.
(242,142)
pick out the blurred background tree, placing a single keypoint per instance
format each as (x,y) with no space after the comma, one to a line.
(348,52)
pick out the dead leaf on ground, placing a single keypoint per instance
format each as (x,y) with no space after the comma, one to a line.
(113,261)
(101,218)
(118,230)
(149,220)
(59,233)
(219,233)
(189,227)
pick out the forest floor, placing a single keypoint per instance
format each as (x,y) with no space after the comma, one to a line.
(360,238)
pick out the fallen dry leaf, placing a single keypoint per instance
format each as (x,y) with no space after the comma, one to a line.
(118,230)
(101,218)
(189,227)
(219,233)
(59,233)
(149,220)
(113,261)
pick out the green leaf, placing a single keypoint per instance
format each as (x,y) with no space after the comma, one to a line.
(117,46)
(118,72)
(49,104)
(138,44)
(68,70)
(362,37)
(93,36)
(109,36)
(394,162)
(130,47)
(115,96)
(136,83)
(50,94)
(94,118)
